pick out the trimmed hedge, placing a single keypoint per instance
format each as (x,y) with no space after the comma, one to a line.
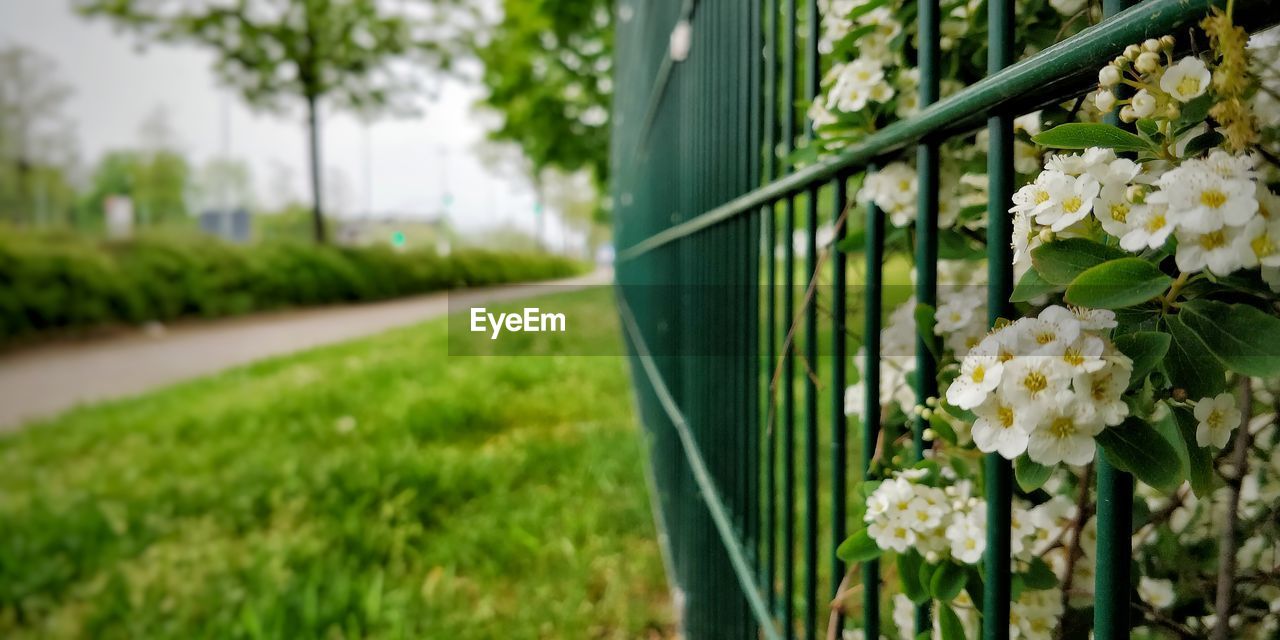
(52,283)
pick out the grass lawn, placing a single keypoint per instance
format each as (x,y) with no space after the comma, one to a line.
(373,489)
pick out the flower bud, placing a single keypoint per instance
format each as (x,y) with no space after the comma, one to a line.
(1136,194)
(1108,76)
(1144,104)
(1147,62)
(1167,43)
(931,402)
(1132,51)
(1179,394)
(1120,62)
(926,413)
(931,557)
(1127,114)
(1046,235)
(1104,100)
(1172,111)
(1151,44)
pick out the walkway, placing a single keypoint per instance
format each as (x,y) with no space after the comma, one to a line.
(43,381)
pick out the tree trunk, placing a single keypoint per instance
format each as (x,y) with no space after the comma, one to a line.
(313,133)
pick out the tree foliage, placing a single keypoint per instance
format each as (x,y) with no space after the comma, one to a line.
(547,70)
(361,55)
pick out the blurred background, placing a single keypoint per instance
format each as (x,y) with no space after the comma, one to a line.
(228,230)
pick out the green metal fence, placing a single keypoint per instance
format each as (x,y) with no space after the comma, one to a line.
(736,407)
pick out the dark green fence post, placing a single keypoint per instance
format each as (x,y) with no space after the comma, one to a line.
(998,472)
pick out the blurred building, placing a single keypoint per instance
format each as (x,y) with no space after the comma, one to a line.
(396,230)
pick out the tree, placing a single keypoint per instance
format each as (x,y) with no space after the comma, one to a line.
(359,55)
(35,139)
(547,69)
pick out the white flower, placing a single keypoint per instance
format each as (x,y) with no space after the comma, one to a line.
(1094,319)
(1026,157)
(1109,170)
(1104,100)
(1104,388)
(1147,62)
(1149,225)
(968,540)
(1230,167)
(1065,433)
(1049,333)
(1024,240)
(1029,123)
(1260,241)
(1067,7)
(1186,80)
(1108,76)
(1084,354)
(1157,593)
(1112,209)
(1144,104)
(1221,251)
(1202,200)
(979,375)
(892,534)
(1000,428)
(1070,200)
(1032,383)
(1217,418)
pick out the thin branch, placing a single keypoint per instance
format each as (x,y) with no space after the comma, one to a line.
(1230,529)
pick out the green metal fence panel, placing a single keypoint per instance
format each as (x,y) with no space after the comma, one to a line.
(725,345)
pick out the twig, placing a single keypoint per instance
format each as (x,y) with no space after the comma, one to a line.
(1227,543)
(1157,618)
(1073,550)
(787,343)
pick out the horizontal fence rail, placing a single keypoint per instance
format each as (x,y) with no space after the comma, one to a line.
(741,393)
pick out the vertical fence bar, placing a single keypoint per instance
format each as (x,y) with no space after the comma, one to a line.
(926,234)
(873,311)
(839,424)
(770,221)
(811,347)
(1115,510)
(788,314)
(998,472)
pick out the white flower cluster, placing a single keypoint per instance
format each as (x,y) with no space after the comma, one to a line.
(893,189)
(1217,207)
(939,523)
(1045,386)
(949,523)
(1221,215)
(960,320)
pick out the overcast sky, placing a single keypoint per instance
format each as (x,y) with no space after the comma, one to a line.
(117,86)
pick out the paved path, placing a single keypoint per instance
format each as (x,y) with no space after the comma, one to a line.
(43,381)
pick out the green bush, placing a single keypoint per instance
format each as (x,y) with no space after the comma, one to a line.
(60,282)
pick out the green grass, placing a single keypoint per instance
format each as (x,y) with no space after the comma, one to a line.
(373,489)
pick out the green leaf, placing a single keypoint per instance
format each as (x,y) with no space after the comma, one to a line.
(863,9)
(926,318)
(1082,135)
(949,623)
(1202,143)
(1039,576)
(1117,284)
(1243,338)
(1189,364)
(1145,348)
(1148,127)
(909,564)
(1031,285)
(1167,427)
(1199,459)
(1061,261)
(859,547)
(1031,475)
(1135,447)
(948,581)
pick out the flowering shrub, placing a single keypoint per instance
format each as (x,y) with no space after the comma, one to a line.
(1147,256)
